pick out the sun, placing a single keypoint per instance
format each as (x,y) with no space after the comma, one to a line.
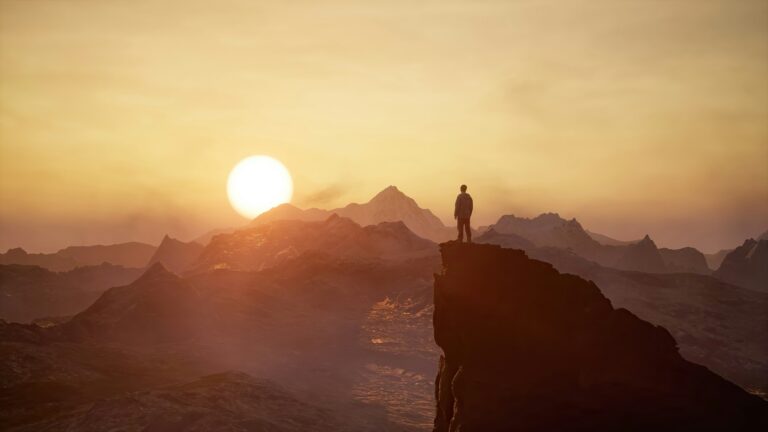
(258,183)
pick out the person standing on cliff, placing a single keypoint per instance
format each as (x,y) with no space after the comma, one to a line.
(462,212)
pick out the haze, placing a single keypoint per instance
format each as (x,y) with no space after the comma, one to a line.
(120,120)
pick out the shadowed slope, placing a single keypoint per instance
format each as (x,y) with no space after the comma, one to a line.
(528,348)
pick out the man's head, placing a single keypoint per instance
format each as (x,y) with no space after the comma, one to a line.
(463,188)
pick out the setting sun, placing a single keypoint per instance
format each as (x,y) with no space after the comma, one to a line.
(258,183)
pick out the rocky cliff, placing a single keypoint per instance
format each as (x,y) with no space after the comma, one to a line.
(527,348)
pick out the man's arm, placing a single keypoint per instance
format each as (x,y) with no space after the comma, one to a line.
(456,208)
(471,204)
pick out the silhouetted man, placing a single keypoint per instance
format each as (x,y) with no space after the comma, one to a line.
(462,213)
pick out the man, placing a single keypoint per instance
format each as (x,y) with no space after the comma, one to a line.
(462,213)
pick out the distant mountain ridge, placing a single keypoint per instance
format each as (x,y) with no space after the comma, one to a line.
(550,230)
(389,205)
(130,254)
(32,292)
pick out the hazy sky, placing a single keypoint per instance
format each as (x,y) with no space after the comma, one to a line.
(120,120)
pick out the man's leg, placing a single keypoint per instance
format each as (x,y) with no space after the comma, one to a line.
(469,230)
(461,231)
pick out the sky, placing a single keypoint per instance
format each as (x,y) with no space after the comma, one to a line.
(120,119)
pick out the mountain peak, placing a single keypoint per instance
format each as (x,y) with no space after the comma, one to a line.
(389,193)
(15,252)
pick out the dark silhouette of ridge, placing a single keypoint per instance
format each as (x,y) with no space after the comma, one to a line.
(527,348)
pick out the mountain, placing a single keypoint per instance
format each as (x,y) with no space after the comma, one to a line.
(510,241)
(290,212)
(609,241)
(157,307)
(528,348)
(746,266)
(356,333)
(176,255)
(642,256)
(684,260)
(389,205)
(205,238)
(53,262)
(550,230)
(268,244)
(131,254)
(31,292)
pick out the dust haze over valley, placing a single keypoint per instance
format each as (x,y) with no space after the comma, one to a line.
(243,216)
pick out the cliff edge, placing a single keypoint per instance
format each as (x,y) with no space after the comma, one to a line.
(529,349)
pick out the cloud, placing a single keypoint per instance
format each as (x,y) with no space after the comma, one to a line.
(322,197)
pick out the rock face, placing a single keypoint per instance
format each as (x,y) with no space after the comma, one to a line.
(527,348)
(746,266)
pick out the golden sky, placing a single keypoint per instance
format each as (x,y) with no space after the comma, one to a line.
(120,119)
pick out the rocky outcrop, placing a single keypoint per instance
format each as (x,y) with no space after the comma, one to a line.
(746,266)
(527,348)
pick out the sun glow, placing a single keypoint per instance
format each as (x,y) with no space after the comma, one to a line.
(258,183)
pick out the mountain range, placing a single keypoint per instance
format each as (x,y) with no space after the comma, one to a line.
(389,205)
(266,244)
(335,310)
(131,254)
